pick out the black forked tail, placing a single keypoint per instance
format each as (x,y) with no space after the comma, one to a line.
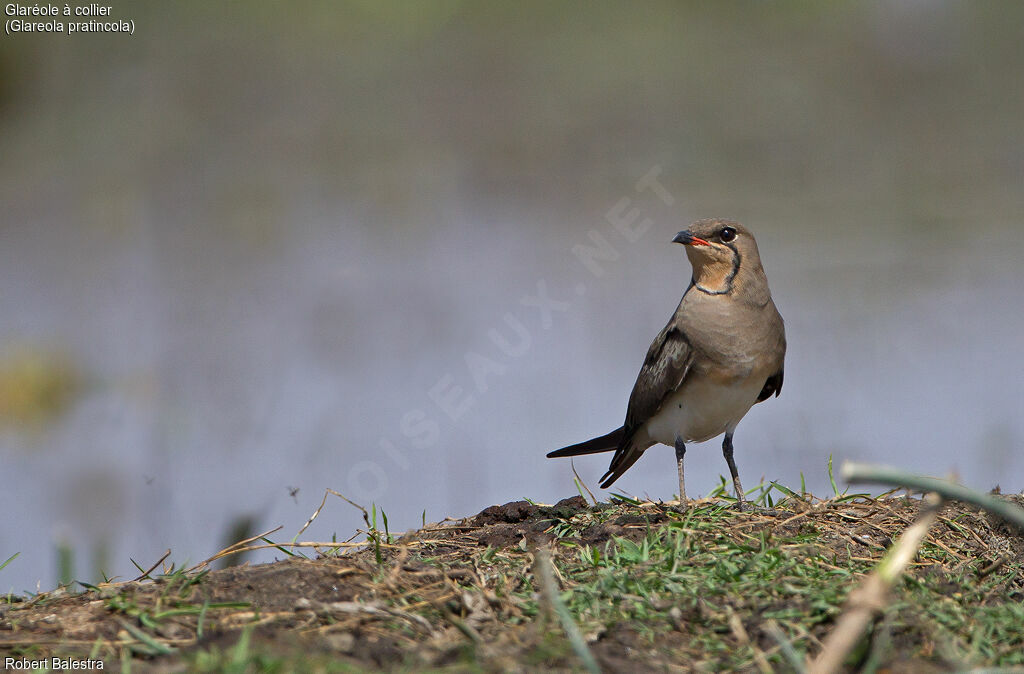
(605,443)
(624,458)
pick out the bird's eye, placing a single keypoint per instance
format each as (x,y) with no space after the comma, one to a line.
(727,234)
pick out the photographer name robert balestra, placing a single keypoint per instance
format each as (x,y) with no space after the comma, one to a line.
(54,664)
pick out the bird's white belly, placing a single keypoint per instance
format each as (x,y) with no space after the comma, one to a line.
(703,409)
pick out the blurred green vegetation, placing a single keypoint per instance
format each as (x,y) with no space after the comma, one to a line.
(37,386)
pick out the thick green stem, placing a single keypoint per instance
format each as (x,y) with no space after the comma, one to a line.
(893,477)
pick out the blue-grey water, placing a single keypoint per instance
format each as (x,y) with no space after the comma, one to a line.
(262,252)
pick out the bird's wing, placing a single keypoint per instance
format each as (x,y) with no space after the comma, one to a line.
(664,369)
(772,386)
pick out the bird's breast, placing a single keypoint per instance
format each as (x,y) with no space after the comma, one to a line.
(704,407)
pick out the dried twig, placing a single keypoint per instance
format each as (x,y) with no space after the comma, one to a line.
(870,598)
(145,574)
(233,548)
(740,632)
(579,481)
(549,590)
(328,492)
(772,629)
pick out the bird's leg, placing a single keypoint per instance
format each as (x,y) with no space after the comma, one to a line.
(727,452)
(680,453)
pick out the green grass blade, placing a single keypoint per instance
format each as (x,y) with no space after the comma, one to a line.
(832,477)
(9,560)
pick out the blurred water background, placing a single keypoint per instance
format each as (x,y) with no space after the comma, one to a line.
(259,248)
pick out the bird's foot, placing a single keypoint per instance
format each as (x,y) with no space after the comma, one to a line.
(680,506)
(745,506)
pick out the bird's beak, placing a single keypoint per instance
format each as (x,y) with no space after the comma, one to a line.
(687,238)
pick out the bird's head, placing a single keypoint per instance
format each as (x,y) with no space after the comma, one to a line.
(720,252)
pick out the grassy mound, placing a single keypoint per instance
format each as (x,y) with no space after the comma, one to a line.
(649,586)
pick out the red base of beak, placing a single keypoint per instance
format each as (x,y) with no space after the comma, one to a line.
(688,239)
